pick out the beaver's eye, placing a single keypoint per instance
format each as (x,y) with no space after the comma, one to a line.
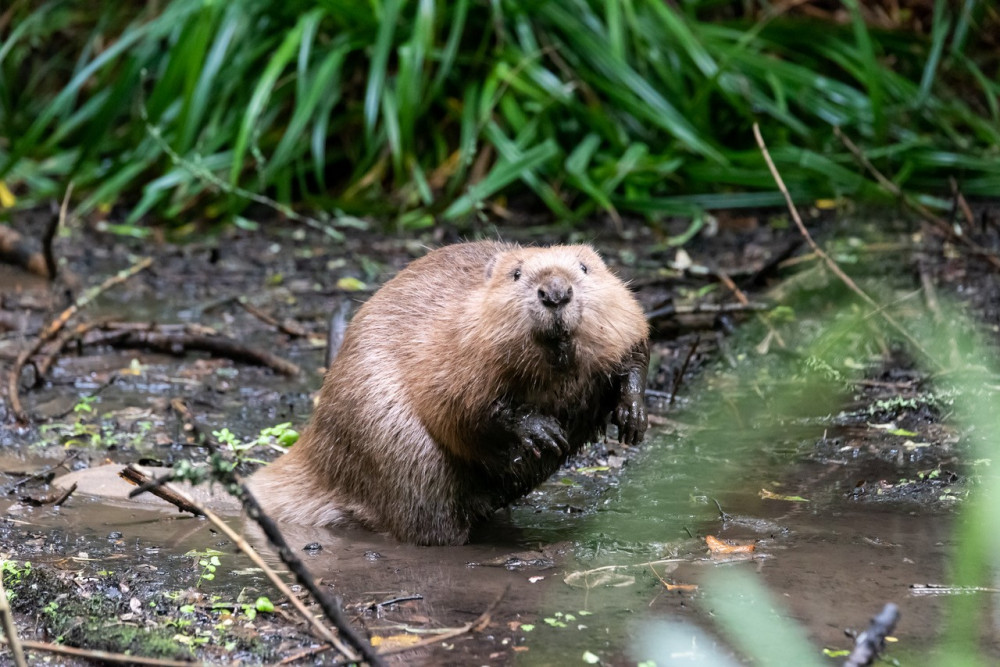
(516,274)
(583,267)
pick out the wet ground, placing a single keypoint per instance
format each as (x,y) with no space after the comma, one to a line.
(805,429)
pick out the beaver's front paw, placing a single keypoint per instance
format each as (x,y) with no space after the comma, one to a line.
(536,434)
(630,418)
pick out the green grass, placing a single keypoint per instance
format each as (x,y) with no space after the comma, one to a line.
(420,111)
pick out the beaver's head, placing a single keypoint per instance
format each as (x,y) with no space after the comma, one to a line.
(541,296)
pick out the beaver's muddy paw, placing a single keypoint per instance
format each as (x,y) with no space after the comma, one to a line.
(630,418)
(538,434)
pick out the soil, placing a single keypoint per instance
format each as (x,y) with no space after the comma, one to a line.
(801,424)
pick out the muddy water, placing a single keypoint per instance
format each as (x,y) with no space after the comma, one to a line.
(582,552)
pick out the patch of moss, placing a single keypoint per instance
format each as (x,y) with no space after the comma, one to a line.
(99,617)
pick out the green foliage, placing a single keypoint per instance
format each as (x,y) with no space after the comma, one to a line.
(208,561)
(13,575)
(423,110)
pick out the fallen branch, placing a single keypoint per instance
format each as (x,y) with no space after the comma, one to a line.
(288,327)
(10,629)
(829,261)
(741,297)
(179,343)
(102,656)
(172,339)
(53,328)
(870,643)
(253,510)
(158,488)
(331,608)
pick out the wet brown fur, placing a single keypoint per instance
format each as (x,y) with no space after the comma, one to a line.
(412,431)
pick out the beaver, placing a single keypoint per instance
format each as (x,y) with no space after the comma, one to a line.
(463,383)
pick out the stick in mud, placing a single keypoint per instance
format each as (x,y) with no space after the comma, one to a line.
(870,643)
(102,656)
(53,328)
(330,608)
(829,261)
(10,629)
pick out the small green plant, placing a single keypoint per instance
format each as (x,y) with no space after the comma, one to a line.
(208,561)
(85,404)
(281,434)
(14,575)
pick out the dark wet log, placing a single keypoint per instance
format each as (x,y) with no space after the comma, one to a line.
(870,643)
(16,250)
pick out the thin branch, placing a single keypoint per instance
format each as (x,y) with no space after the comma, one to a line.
(52,229)
(870,643)
(830,263)
(10,629)
(478,625)
(943,225)
(53,327)
(744,301)
(102,656)
(680,373)
(245,547)
(331,608)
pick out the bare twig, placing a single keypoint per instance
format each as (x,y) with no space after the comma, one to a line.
(478,625)
(53,327)
(52,229)
(158,488)
(963,205)
(10,629)
(706,309)
(44,363)
(942,225)
(395,600)
(830,263)
(207,176)
(166,338)
(65,496)
(742,298)
(680,374)
(287,327)
(245,547)
(103,656)
(331,608)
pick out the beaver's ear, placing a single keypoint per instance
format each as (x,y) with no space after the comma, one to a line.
(490,265)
